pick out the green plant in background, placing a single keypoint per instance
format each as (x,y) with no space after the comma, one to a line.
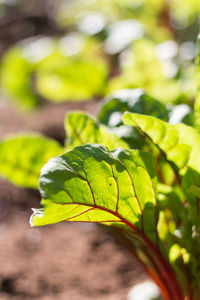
(155,67)
(149,12)
(16,78)
(23,155)
(56,69)
(123,44)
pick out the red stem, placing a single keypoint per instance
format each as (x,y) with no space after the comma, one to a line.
(152,273)
(167,281)
(162,267)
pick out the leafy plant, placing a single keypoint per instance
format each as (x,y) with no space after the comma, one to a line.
(123,189)
(148,199)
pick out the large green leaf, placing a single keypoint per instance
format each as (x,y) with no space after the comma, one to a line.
(22,156)
(180,145)
(81,129)
(92,184)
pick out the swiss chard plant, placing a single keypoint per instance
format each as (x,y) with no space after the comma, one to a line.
(148,198)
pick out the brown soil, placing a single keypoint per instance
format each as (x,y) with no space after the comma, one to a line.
(68,261)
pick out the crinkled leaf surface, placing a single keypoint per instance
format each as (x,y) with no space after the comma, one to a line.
(22,156)
(92,184)
(81,129)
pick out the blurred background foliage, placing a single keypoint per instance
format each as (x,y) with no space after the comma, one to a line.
(75,50)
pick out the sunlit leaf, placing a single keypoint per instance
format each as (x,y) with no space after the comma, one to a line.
(92,184)
(180,145)
(82,129)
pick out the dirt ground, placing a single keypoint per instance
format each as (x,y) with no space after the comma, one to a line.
(66,261)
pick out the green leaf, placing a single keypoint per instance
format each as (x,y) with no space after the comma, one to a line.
(132,100)
(92,184)
(75,70)
(180,145)
(54,71)
(23,155)
(81,129)
(61,78)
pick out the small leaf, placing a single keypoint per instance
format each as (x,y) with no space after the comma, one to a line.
(81,129)
(92,184)
(22,156)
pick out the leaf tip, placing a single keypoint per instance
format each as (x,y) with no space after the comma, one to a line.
(37,213)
